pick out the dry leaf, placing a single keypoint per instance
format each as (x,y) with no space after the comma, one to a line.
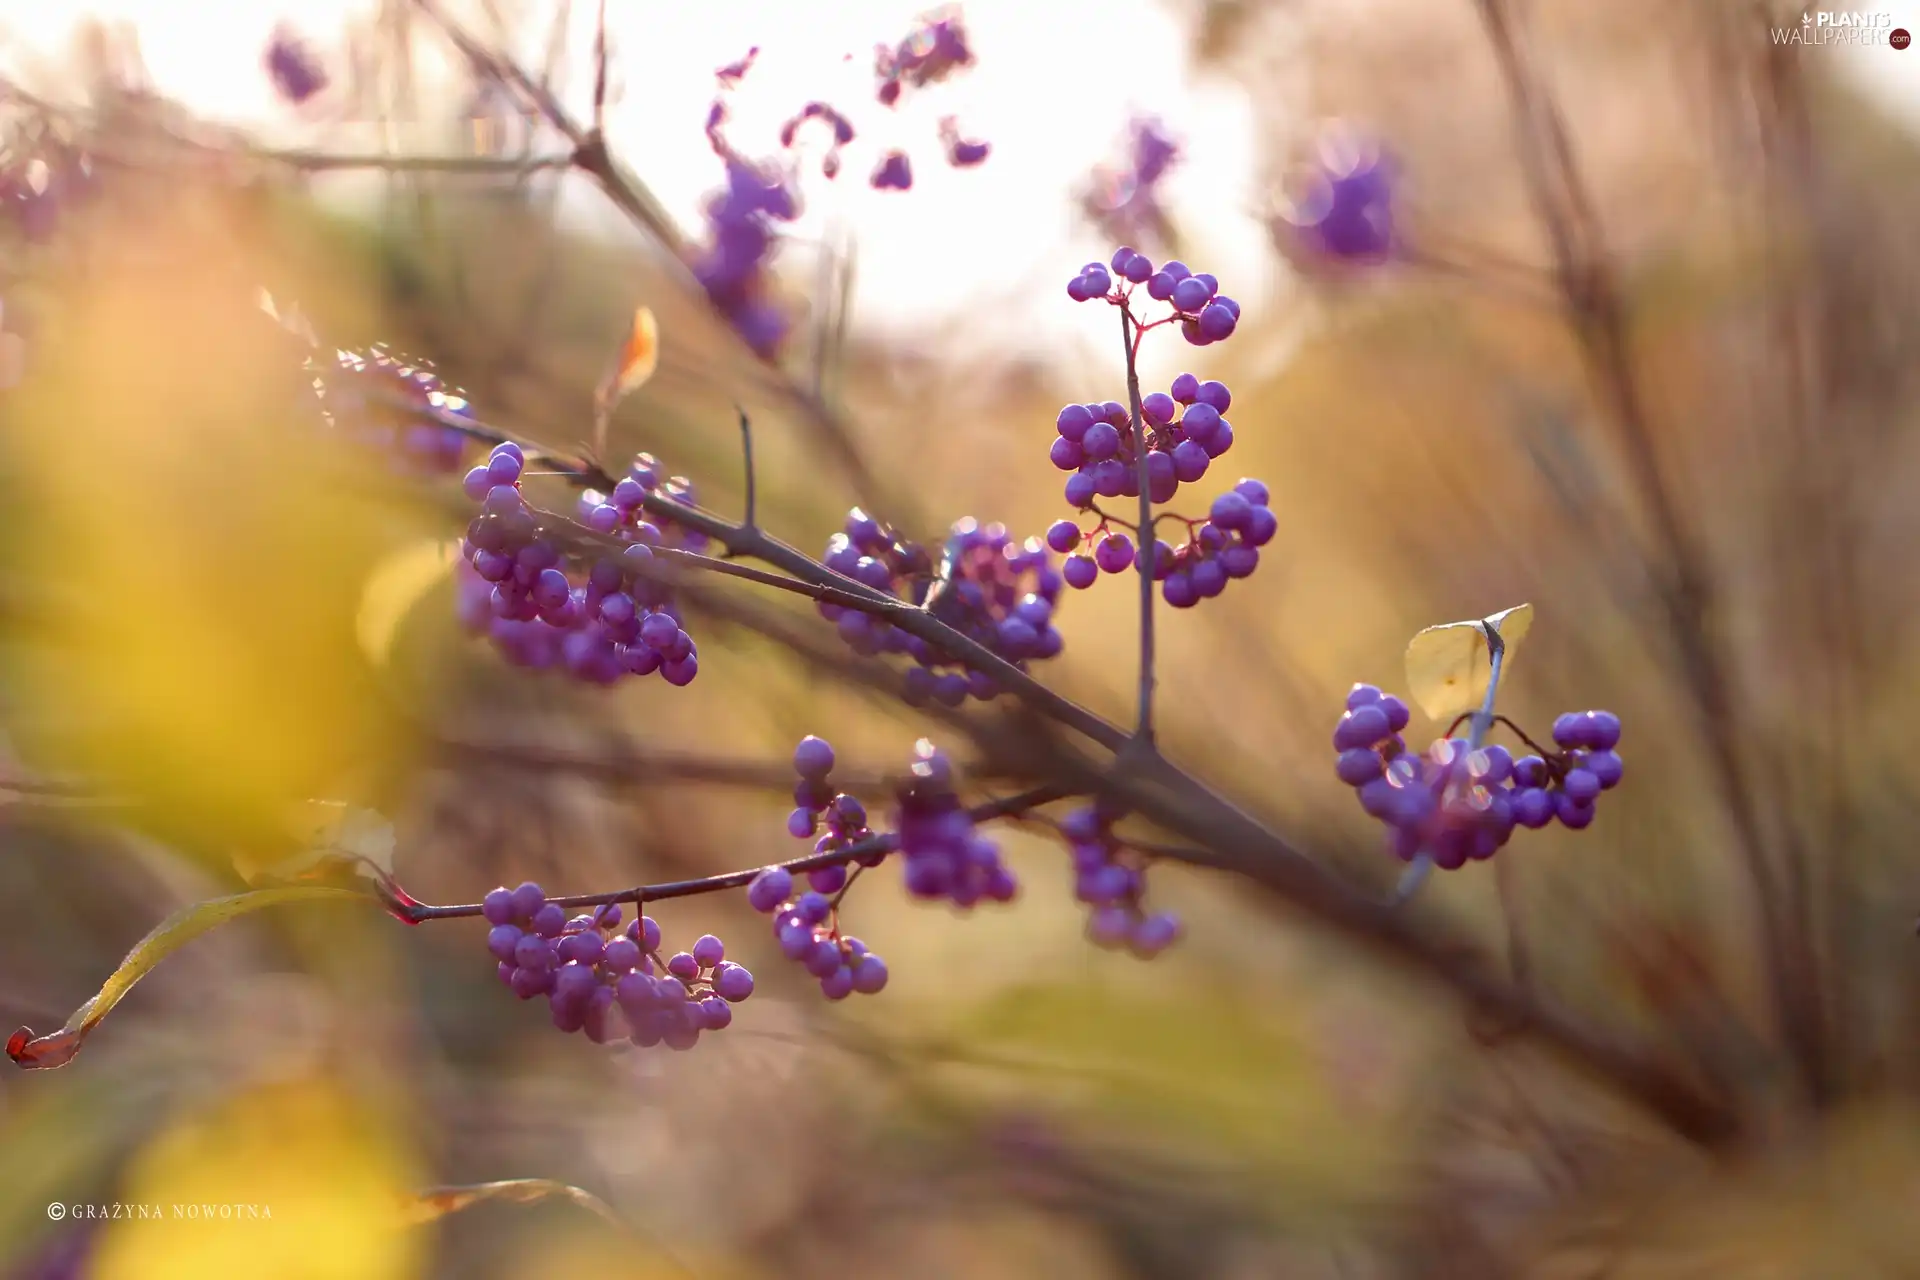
(639,357)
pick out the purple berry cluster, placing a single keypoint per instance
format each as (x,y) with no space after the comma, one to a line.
(1346,213)
(609,982)
(945,855)
(294,68)
(383,400)
(1458,804)
(1185,428)
(991,589)
(962,152)
(893,172)
(1224,546)
(1123,201)
(840,128)
(817,802)
(618,621)
(1111,884)
(735,265)
(1205,314)
(807,928)
(931,52)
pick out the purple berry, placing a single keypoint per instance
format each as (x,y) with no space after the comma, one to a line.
(1364,726)
(504,942)
(1606,766)
(497,906)
(1358,766)
(1580,786)
(813,758)
(769,889)
(732,982)
(527,899)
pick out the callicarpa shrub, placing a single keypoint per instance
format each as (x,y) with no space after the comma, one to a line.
(608,585)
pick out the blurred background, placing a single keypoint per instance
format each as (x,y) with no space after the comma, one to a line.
(1667,400)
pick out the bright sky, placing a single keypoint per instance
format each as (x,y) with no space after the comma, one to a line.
(1055,83)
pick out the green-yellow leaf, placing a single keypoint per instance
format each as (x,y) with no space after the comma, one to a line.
(1448,665)
(396,585)
(178,929)
(438,1202)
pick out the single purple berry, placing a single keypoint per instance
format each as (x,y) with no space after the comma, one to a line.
(813,758)
(769,889)
(527,899)
(732,982)
(504,942)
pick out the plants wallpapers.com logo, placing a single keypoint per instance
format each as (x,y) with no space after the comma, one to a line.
(1827,26)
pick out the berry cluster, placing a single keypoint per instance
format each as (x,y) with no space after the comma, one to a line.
(1112,885)
(1458,804)
(840,127)
(1346,212)
(1123,201)
(894,172)
(807,928)
(944,853)
(990,589)
(1205,314)
(734,267)
(962,153)
(816,801)
(931,52)
(1185,430)
(295,70)
(608,982)
(618,621)
(386,401)
(1225,546)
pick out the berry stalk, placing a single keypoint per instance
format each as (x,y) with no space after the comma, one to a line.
(1130,342)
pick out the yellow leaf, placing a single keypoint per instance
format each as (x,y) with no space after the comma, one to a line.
(1448,665)
(178,929)
(295,1179)
(396,585)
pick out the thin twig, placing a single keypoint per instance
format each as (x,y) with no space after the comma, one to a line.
(746,453)
(879,845)
(600,70)
(1145,548)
